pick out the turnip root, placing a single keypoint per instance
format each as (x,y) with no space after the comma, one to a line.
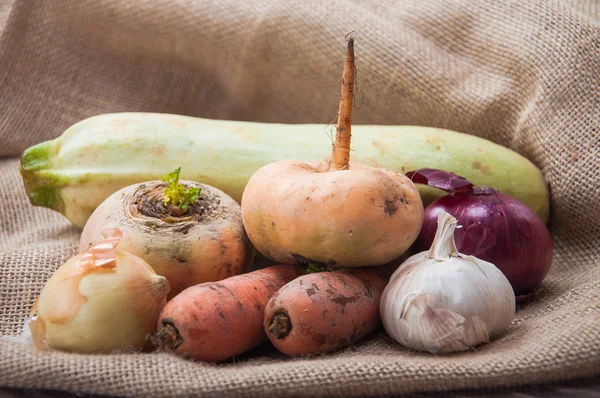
(333,212)
(201,241)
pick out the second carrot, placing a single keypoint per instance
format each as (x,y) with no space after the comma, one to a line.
(326,311)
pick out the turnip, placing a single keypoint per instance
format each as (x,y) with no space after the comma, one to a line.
(188,232)
(333,212)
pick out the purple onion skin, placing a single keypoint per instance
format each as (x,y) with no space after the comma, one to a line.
(498,229)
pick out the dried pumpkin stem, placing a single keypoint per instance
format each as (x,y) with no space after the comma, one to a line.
(341,149)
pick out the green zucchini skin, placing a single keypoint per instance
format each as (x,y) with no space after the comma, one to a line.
(97,156)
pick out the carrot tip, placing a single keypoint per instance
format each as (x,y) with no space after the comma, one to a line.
(167,337)
(280,325)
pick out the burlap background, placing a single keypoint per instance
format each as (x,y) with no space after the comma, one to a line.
(525,74)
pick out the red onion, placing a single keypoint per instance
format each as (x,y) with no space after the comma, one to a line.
(495,228)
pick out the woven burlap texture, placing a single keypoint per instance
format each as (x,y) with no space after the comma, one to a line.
(524,74)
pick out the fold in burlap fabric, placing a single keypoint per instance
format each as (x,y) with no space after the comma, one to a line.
(524,74)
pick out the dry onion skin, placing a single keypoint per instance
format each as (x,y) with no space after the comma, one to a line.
(205,243)
(99,301)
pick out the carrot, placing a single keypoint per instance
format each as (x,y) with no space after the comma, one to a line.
(322,312)
(335,212)
(217,320)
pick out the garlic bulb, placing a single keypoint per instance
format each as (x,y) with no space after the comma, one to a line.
(99,301)
(443,301)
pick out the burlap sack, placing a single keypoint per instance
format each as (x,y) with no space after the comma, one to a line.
(525,74)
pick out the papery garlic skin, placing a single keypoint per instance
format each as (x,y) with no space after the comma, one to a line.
(442,301)
(99,309)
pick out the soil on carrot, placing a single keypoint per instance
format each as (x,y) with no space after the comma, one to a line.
(148,201)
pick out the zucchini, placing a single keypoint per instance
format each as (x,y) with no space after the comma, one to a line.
(95,157)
